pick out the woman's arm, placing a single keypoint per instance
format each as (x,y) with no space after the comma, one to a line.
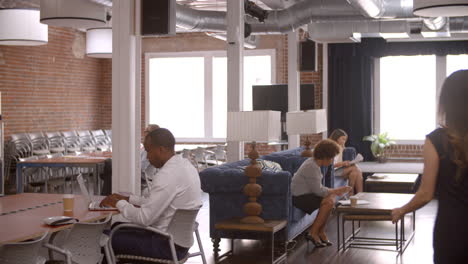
(425,192)
(344,163)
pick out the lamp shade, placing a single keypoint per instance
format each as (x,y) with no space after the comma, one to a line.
(309,122)
(437,8)
(72,13)
(22,27)
(254,126)
(99,42)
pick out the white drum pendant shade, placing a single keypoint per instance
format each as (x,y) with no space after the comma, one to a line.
(21,27)
(436,8)
(72,13)
(99,42)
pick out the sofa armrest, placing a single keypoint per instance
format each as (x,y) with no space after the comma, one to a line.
(349,153)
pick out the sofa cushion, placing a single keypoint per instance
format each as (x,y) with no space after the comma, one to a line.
(289,162)
(266,165)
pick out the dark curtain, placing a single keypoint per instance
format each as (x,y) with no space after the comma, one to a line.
(350,95)
(351,81)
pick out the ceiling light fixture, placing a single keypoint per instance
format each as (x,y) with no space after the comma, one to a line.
(436,8)
(21,27)
(99,42)
(72,13)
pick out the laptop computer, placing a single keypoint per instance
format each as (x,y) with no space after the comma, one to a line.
(92,205)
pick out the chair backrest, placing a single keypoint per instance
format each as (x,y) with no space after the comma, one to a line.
(182,226)
(23,252)
(20,145)
(86,137)
(71,141)
(220,153)
(39,142)
(83,241)
(199,155)
(55,140)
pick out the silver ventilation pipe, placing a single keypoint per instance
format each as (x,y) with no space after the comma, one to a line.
(435,23)
(384,8)
(286,20)
(107,3)
(459,24)
(281,21)
(395,9)
(198,20)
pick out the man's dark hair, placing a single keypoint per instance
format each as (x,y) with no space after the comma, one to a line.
(326,149)
(161,137)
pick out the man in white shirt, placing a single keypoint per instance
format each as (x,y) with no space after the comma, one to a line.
(176,186)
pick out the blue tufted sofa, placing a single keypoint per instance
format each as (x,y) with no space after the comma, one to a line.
(225,183)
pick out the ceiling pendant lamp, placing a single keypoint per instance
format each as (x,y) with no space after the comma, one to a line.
(72,13)
(99,42)
(21,27)
(437,8)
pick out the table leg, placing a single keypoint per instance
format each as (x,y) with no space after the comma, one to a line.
(96,174)
(343,234)
(338,232)
(19,178)
(396,236)
(272,247)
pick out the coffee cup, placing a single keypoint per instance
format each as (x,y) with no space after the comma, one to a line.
(353,200)
(68,202)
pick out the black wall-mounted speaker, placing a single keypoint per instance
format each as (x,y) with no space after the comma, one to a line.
(308,56)
(158,17)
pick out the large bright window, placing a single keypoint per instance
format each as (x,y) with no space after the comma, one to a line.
(188,91)
(177,103)
(406,95)
(456,62)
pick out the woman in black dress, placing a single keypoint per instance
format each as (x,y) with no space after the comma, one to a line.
(446,168)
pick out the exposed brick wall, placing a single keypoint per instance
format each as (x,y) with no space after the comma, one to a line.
(404,151)
(53,87)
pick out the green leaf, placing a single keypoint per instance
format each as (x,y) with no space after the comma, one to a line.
(374,148)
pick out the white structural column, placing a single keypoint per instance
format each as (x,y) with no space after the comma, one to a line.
(235,68)
(293,82)
(126,61)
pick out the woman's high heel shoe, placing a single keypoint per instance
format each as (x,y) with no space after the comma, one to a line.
(317,244)
(326,242)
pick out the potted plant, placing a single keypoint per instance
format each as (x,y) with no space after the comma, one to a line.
(379,143)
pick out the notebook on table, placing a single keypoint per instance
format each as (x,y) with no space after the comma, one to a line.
(92,205)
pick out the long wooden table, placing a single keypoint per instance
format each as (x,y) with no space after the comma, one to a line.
(21,215)
(93,162)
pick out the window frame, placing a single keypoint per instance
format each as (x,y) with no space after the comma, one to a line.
(441,74)
(208,80)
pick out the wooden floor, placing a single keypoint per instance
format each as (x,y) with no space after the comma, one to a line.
(249,251)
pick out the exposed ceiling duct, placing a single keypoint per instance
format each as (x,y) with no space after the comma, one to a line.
(371,17)
(384,8)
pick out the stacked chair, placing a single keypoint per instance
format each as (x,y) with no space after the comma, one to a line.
(30,146)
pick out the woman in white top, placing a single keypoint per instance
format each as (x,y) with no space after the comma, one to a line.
(342,167)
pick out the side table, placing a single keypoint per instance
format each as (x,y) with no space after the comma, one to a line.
(270,226)
(391,183)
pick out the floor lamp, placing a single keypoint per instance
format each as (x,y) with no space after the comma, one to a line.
(306,122)
(253,126)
